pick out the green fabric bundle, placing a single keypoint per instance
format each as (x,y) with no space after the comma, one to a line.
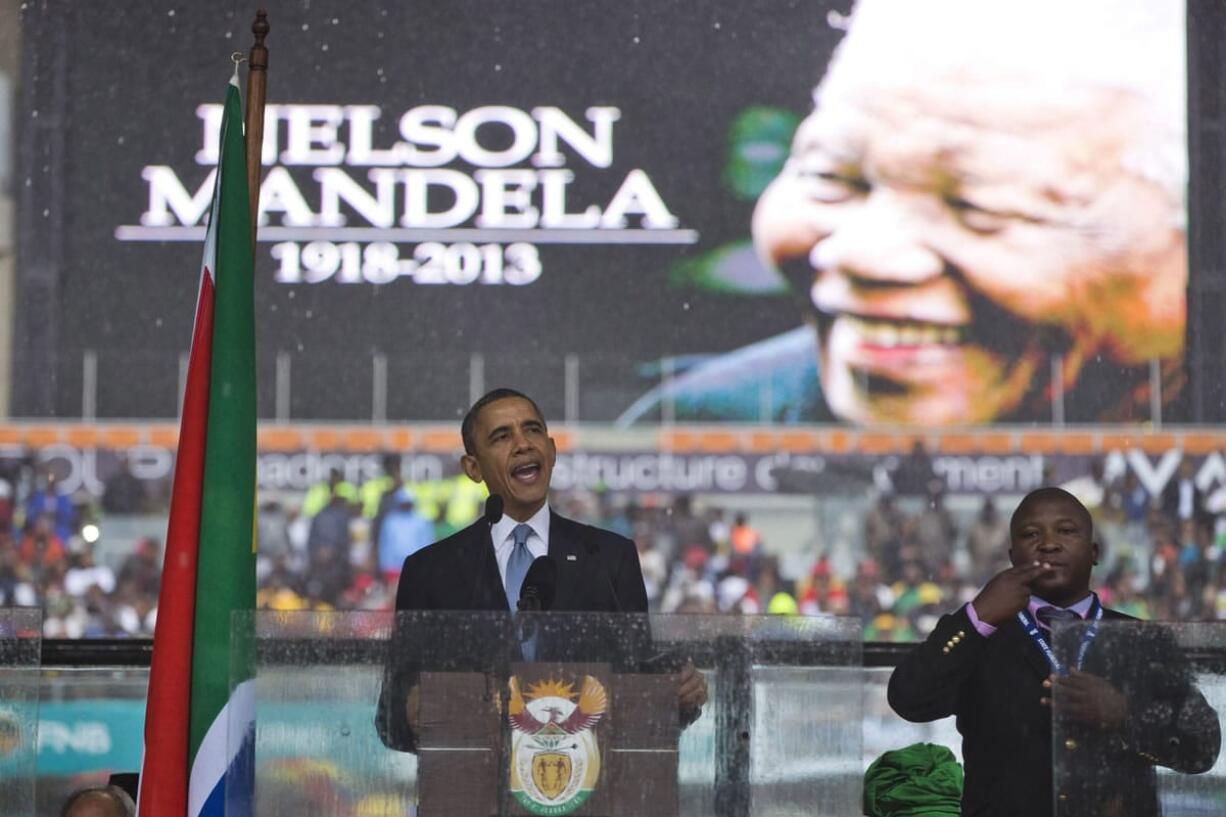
(921,780)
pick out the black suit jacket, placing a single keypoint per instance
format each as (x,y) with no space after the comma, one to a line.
(993,686)
(1170,501)
(598,571)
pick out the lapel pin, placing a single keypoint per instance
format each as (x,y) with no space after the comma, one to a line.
(570,557)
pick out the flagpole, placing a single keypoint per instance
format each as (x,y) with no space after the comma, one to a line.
(257,79)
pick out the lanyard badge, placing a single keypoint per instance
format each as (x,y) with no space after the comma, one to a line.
(1036,635)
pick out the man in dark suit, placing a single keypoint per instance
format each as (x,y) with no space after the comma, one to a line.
(988,664)
(507,446)
(1182,500)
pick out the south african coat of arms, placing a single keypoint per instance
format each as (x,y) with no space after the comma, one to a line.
(555,762)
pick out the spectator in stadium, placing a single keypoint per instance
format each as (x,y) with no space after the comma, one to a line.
(746,547)
(122,492)
(986,540)
(822,592)
(379,494)
(1121,592)
(688,528)
(272,537)
(42,551)
(9,570)
(7,503)
(1198,566)
(883,526)
(983,194)
(914,474)
(736,595)
(1135,545)
(1182,500)
(1135,499)
(277,592)
(934,531)
(616,514)
(130,611)
(769,580)
(402,532)
(868,597)
(889,627)
(84,573)
(718,529)
(142,568)
(321,494)
(654,567)
(47,500)
(328,544)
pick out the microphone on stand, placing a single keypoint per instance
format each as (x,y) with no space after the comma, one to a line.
(535,596)
(493,512)
(540,583)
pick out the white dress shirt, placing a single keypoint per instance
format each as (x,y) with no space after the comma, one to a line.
(538,541)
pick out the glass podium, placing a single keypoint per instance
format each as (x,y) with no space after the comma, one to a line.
(20,648)
(552,714)
(1139,733)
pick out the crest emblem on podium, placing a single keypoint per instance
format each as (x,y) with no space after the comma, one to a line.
(555,761)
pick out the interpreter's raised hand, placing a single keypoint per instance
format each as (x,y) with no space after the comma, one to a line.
(691,688)
(1007,593)
(1088,699)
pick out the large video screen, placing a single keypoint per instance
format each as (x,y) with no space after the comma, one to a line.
(880,212)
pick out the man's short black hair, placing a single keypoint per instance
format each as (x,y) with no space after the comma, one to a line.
(1052,493)
(470,419)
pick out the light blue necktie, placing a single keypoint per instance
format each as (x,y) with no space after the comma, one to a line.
(517,565)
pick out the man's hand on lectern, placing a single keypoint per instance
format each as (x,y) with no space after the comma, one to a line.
(691,688)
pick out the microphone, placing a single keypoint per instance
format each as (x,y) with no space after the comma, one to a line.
(594,552)
(535,596)
(493,510)
(537,592)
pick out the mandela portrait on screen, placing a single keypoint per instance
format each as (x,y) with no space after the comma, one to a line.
(983,214)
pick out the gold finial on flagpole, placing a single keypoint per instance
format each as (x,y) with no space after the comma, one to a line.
(257,80)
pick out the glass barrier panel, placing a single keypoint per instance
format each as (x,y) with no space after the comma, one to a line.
(1137,729)
(20,647)
(551,714)
(91,724)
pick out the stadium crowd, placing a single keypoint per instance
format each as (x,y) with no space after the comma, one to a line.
(340,546)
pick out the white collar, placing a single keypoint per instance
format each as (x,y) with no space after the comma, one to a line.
(1081,608)
(539,522)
